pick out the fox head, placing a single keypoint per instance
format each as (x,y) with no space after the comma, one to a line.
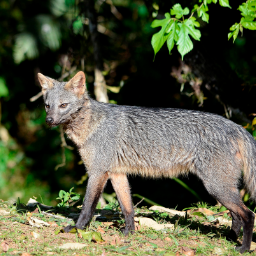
(63,99)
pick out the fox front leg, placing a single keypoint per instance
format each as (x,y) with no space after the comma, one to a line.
(122,189)
(95,187)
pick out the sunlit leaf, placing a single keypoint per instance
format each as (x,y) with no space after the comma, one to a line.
(25,47)
(184,43)
(159,38)
(91,236)
(224,3)
(77,26)
(195,33)
(58,7)
(178,11)
(202,12)
(245,10)
(248,23)
(3,88)
(49,31)
(172,36)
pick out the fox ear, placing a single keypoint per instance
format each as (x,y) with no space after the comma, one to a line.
(77,84)
(46,82)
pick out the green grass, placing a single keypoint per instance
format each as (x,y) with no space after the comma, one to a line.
(193,232)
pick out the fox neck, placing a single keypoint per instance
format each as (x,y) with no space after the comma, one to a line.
(82,125)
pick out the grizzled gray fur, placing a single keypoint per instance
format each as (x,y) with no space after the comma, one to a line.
(115,141)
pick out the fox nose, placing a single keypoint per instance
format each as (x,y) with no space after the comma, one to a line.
(49,120)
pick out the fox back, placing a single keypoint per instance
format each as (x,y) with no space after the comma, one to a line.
(155,142)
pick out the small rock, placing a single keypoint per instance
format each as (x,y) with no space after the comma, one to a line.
(5,246)
(4,212)
(218,251)
(35,235)
(34,222)
(153,224)
(72,246)
(171,211)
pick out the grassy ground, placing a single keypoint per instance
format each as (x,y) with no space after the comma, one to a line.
(194,234)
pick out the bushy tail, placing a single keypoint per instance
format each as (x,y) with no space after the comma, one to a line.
(247,147)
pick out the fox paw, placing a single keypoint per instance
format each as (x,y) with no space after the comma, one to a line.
(126,231)
(241,249)
(68,228)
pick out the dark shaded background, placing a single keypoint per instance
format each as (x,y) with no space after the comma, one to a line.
(29,150)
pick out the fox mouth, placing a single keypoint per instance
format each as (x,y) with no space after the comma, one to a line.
(54,124)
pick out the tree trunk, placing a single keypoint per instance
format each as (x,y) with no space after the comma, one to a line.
(100,89)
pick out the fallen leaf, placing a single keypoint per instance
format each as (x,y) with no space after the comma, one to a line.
(72,231)
(168,239)
(101,230)
(35,211)
(171,211)
(4,246)
(34,222)
(115,240)
(205,211)
(187,251)
(153,224)
(53,224)
(35,235)
(107,224)
(91,236)
(72,246)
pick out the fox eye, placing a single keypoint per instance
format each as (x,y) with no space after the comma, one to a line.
(64,105)
(47,106)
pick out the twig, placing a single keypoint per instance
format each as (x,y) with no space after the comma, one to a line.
(55,216)
(34,98)
(138,203)
(196,10)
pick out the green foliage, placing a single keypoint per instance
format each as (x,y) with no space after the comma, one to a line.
(248,11)
(178,30)
(3,88)
(112,206)
(67,197)
(25,47)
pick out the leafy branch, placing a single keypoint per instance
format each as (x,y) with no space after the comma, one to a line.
(248,12)
(179,30)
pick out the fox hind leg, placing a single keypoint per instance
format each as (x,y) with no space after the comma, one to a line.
(236,227)
(241,216)
(121,186)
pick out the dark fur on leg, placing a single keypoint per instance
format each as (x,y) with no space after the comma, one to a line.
(95,187)
(248,223)
(236,227)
